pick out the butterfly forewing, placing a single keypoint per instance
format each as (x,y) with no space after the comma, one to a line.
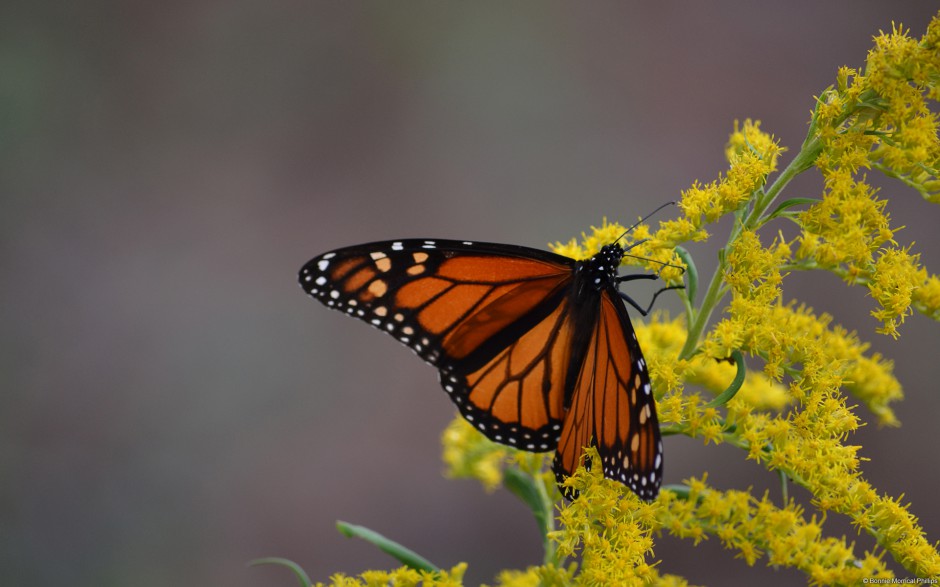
(612,406)
(494,320)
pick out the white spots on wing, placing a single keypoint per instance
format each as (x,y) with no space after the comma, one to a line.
(329,256)
(378,255)
(334,294)
(468,243)
(323,264)
(320,280)
(376,322)
(658,462)
(646,389)
(429,245)
(641,363)
(397,246)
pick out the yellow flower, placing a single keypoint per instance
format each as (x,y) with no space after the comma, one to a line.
(401,577)
(610,527)
(758,528)
(894,277)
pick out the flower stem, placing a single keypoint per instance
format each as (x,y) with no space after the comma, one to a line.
(803,161)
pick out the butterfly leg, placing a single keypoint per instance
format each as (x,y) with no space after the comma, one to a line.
(633,303)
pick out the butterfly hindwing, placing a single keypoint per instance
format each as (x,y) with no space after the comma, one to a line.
(517,396)
(612,406)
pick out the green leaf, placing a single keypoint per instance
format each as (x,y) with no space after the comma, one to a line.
(524,487)
(302,577)
(692,273)
(783,206)
(783,486)
(405,556)
(736,383)
(532,493)
(681,491)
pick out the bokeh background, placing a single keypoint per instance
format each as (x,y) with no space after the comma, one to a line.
(173,406)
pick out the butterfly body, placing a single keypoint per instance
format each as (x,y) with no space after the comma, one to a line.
(535,349)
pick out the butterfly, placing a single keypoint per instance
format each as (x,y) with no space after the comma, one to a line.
(535,349)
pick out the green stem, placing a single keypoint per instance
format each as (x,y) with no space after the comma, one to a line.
(530,488)
(550,556)
(713,295)
(803,161)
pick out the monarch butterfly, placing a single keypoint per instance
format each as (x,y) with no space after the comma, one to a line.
(536,349)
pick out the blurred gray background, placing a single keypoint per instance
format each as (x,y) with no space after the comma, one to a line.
(173,406)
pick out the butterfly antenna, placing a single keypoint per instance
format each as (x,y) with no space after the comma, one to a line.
(643,219)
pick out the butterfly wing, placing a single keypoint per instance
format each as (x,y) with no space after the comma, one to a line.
(612,406)
(494,319)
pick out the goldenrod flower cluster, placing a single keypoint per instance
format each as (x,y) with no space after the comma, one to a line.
(756,528)
(794,410)
(878,119)
(401,577)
